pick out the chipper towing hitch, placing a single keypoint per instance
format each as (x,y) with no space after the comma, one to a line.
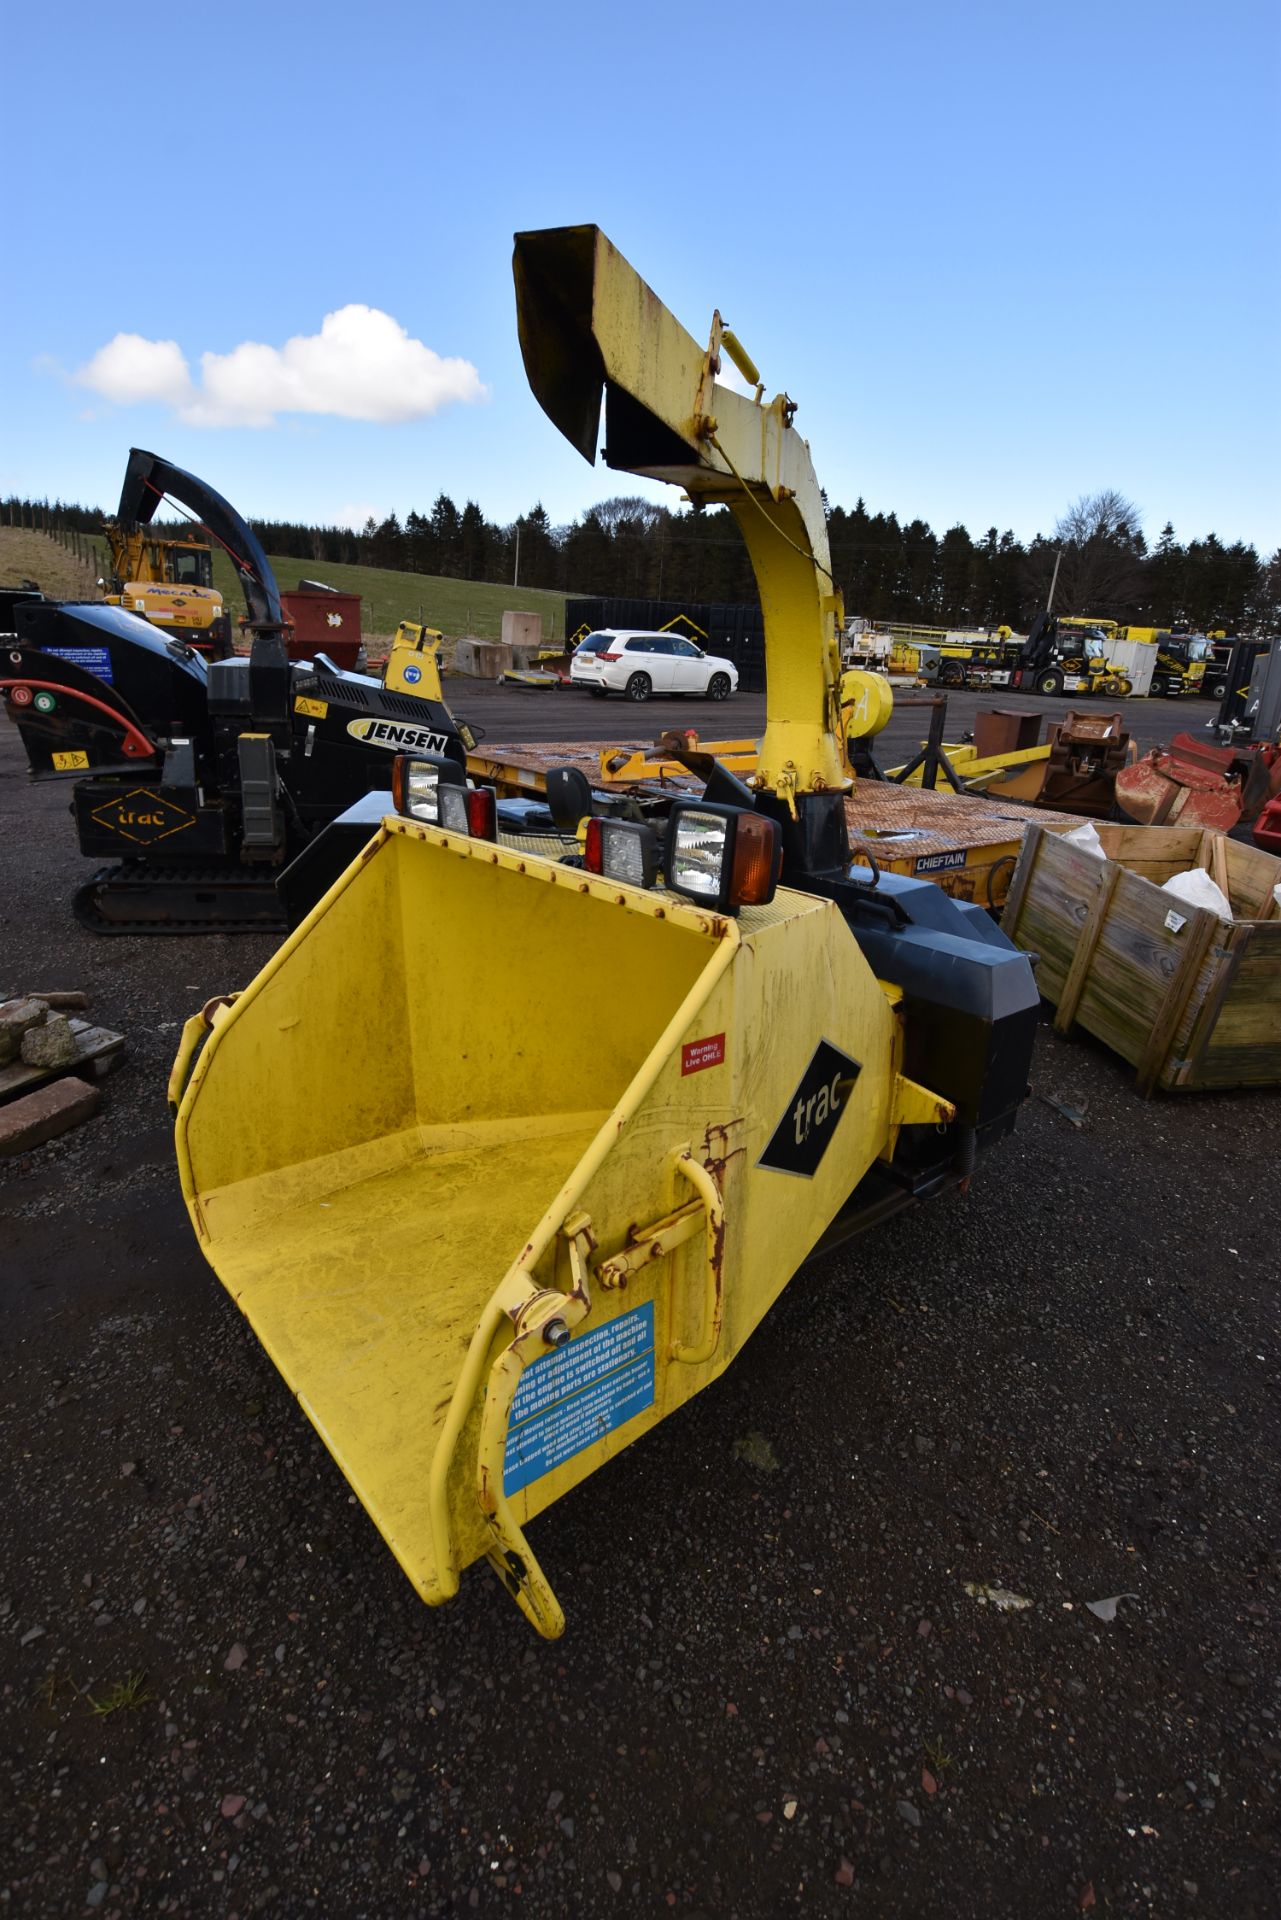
(488,1246)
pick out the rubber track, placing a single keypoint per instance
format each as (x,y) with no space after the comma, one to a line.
(179,884)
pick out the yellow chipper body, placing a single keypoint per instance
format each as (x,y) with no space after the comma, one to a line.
(489,1242)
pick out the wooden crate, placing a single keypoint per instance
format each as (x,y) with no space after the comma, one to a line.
(1189,1001)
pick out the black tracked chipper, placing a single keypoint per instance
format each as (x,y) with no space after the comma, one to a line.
(201,780)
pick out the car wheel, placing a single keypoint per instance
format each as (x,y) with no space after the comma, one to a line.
(639,687)
(1158,688)
(1049,683)
(1218,689)
(718,687)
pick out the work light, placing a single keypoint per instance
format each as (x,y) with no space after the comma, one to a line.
(452,808)
(418,784)
(621,850)
(723,857)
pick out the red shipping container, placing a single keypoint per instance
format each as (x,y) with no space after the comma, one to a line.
(324,622)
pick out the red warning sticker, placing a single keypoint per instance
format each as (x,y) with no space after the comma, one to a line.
(697,1054)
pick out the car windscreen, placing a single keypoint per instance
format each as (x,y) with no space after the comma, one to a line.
(594,643)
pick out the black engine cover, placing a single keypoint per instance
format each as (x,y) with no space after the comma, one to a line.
(346,732)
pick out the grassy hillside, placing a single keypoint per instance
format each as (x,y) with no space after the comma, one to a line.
(25,555)
(455,606)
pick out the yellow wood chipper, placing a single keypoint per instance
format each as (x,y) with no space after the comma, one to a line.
(490,1243)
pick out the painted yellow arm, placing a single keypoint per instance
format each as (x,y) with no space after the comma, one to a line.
(590,325)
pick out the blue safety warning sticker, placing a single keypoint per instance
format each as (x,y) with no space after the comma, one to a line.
(92,659)
(568,1400)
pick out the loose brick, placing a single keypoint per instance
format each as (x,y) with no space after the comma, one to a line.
(46,1113)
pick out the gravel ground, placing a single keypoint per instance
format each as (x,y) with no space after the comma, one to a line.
(775,1694)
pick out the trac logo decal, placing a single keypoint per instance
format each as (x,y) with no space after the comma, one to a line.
(143,816)
(397,736)
(804,1133)
(941,862)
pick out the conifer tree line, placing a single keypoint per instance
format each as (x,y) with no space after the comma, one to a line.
(888,568)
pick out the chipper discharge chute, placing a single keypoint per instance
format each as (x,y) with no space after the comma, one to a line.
(487,1244)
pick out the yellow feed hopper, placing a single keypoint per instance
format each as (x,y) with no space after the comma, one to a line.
(430,1198)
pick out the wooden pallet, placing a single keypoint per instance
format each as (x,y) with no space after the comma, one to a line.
(98,1050)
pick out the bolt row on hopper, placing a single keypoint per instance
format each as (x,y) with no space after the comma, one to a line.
(488,1241)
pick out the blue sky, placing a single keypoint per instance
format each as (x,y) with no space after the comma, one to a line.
(1000,254)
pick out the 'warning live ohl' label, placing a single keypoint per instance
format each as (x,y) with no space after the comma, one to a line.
(571,1398)
(697,1054)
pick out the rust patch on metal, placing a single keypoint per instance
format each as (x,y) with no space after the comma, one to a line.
(211,1007)
(717,1152)
(878,812)
(716,1257)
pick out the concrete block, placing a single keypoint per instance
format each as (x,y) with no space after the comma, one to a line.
(44,1114)
(522,630)
(482,659)
(52,1045)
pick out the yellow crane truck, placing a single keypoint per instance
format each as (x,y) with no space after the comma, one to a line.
(1181,661)
(488,1240)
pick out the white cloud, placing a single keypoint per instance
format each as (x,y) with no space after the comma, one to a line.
(129,369)
(362,365)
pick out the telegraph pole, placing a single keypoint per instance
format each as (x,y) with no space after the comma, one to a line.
(1054,579)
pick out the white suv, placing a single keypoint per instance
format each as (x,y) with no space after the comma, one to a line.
(621,660)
